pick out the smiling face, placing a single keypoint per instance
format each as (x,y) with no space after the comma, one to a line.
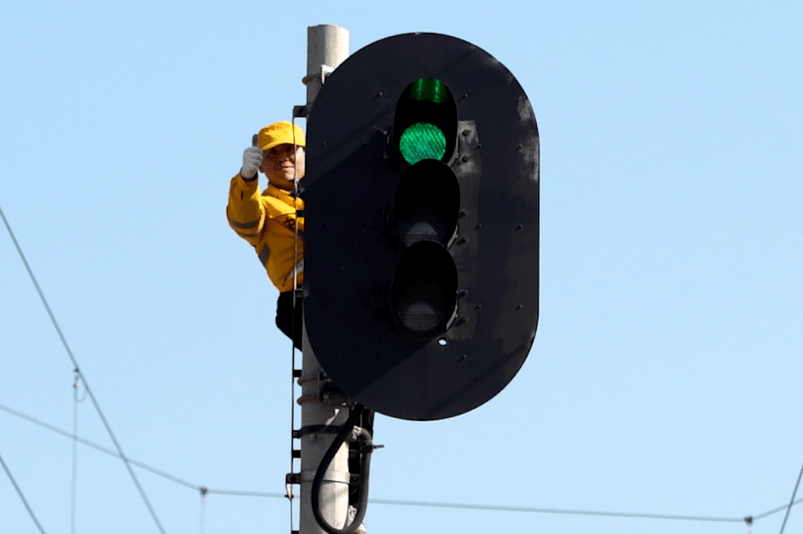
(281,164)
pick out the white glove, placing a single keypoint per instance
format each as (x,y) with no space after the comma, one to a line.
(252,160)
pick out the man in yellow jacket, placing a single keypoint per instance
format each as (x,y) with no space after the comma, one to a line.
(269,219)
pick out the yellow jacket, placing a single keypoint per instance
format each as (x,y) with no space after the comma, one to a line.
(268,221)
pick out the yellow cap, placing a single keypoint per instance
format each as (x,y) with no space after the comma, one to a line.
(280,133)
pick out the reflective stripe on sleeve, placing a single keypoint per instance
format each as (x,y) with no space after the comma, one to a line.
(244,226)
(264,254)
(243,234)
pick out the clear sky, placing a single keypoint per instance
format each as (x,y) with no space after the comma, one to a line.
(666,374)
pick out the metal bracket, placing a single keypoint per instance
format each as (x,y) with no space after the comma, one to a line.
(334,396)
(324,73)
(343,477)
(325,391)
(315,429)
(299,112)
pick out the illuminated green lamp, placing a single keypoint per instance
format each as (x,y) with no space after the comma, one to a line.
(424,140)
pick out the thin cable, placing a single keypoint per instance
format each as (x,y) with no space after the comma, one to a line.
(135,462)
(19,492)
(557,511)
(315,493)
(776,510)
(83,378)
(239,493)
(289,487)
(204,491)
(426,504)
(76,401)
(792,501)
(296,239)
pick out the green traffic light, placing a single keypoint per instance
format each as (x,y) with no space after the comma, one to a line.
(422,140)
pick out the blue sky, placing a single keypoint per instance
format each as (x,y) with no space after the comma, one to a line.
(665,376)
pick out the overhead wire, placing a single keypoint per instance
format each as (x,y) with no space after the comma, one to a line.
(128,462)
(792,501)
(22,497)
(141,465)
(77,370)
(424,504)
(527,509)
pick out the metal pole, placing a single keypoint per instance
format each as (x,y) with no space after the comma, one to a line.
(327,47)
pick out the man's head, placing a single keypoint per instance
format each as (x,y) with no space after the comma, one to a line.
(282,145)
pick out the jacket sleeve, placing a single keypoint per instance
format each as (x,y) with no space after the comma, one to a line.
(245,211)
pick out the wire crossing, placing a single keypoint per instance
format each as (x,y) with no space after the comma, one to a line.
(792,501)
(428,504)
(80,374)
(204,490)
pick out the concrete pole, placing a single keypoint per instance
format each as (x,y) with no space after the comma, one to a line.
(327,47)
